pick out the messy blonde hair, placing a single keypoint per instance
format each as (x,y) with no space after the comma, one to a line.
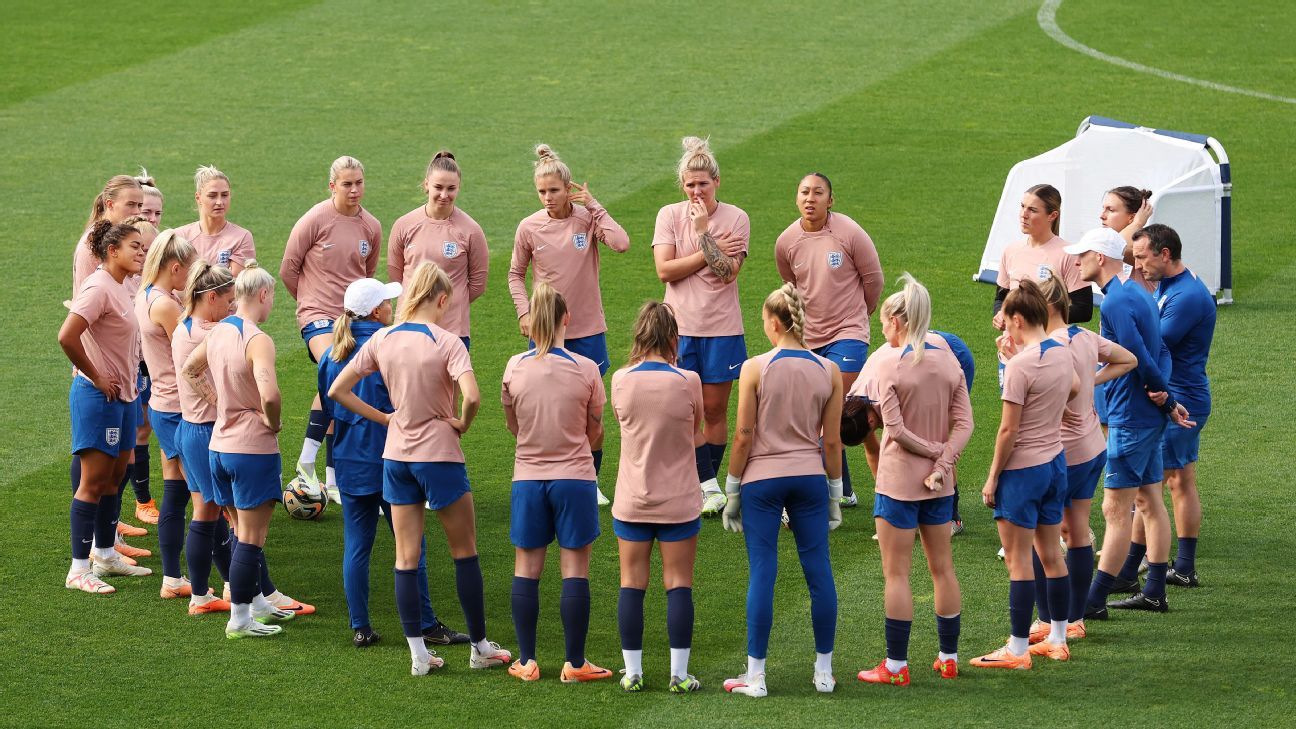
(697,158)
(655,332)
(252,280)
(548,163)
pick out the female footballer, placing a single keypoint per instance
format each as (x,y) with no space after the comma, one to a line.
(834,265)
(152,207)
(1040,253)
(217,240)
(922,397)
(421,363)
(553,404)
(333,244)
(560,242)
(1027,483)
(440,232)
(661,408)
(699,246)
(788,428)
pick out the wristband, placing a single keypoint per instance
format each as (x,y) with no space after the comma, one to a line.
(834,488)
(1170,405)
(733,484)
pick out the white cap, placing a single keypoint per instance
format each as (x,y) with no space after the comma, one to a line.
(1099,240)
(367,294)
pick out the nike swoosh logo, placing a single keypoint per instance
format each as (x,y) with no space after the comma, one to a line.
(798,265)
(541,248)
(86,541)
(600,364)
(847,359)
(326,246)
(733,367)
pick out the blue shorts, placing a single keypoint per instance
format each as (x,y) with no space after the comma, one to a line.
(194,439)
(849,354)
(1029,497)
(594,347)
(1082,478)
(98,424)
(640,531)
(253,478)
(144,384)
(314,329)
(165,426)
(467,341)
(909,514)
(440,484)
(1133,456)
(564,508)
(1179,445)
(1100,402)
(715,359)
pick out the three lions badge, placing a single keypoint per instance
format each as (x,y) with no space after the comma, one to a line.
(112,436)
(835,259)
(449,249)
(364,248)
(580,241)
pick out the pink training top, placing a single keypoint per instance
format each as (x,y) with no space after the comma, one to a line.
(1082,436)
(420,364)
(238,426)
(194,408)
(839,275)
(457,245)
(564,253)
(927,415)
(553,398)
(112,337)
(795,385)
(84,263)
(156,347)
(704,305)
(1022,260)
(659,408)
(1039,379)
(325,252)
(231,244)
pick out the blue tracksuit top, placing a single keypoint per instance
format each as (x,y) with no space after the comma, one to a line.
(1187,327)
(1130,318)
(357,443)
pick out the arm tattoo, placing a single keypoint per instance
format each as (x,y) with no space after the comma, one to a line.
(718,262)
(262,375)
(204,388)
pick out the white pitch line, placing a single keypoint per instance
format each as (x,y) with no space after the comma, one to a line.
(1047,19)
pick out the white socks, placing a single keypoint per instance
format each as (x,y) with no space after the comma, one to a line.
(755,667)
(895,666)
(261,604)
(105,554)
(634,662)
(1018,646)
(79,566)
(418,649)
(310,449)
(330,477)
(710,486)
(483,647)
(948,657)
(240,615)
(1057,631)
(679,661)
(823,662)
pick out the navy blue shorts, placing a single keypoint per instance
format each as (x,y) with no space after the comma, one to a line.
(1133,456)
(1179,446)
(98,424)
(641,531)
(252,478)
(1033,496)
(715,359)
(194,439)
(144,384)
(1082,478)
(467,341)
(165,426)
(594,347)
(1100,402)
(849,354)
(909,514)
(440,484)
(566,509)
(314,329)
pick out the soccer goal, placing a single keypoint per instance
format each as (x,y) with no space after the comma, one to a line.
(1188,175)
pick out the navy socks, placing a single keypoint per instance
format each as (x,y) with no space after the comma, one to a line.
(1100,589)
(1155,585)
(1058,592)
(1041,589)
(679,616)
(630,618)
(1129,571)
(717,456)
(198,553)
(846,479)
(575,609)
(1186,558)
(83,528)
(1021,596)
(705,468)
(316,425)
(267,587)
(140,474)
(408,602)
(897,639)
(526,613)
(105,522)
(171,525)
(947,630)
(468,582)
(223,547)
(598,461)
(245,569)
(1080,566)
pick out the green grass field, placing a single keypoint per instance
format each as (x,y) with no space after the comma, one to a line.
(916,111)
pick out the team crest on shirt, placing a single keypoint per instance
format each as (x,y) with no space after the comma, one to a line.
(834,259)
(223,258)
(364,247)
(580,240)
(1044,272)
(112,436)
(449,249)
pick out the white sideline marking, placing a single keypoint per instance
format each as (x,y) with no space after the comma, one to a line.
(1047,19)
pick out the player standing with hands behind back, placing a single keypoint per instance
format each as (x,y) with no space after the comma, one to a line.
(560,242)
(699,247)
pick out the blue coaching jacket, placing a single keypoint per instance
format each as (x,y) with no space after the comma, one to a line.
(357,443)
(1130,318)
(1187,327)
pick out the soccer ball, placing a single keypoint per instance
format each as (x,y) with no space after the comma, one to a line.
(304,500)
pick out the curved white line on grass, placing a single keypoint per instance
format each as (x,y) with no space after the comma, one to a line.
(1047,19)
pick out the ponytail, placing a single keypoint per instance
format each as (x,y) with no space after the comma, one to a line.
(252,280)
(104,235)
(204,278)
(655,332)
(343,340)
(1131,197)
(112,189)
(1055,294)
(912,304)
(548,163)
(343,163)
(786,303)
(548,307)
(1028,300)
(1052,200)
(148,184)
(427,282)
(167,248)
(443,161)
